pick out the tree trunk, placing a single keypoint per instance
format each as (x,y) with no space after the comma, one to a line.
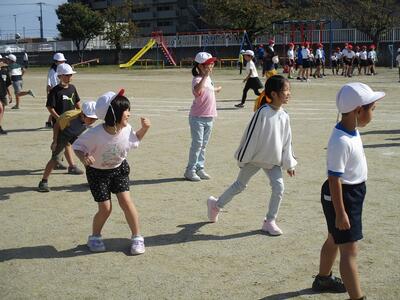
(117,58)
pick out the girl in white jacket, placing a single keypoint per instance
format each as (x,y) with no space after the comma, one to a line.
(266,144)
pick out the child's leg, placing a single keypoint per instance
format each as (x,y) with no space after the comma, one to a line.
(244,94)
(207,129)
(239,185)
(277,188)
(69,155)
(197,133)
(49,168)
(104,211)
(349,270)
(328,255)
(129,209)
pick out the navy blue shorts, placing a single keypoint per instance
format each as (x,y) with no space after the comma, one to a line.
(353,198)
(104,182)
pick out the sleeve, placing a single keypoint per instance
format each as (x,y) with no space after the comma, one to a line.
(48,77)
(288,157)
(337,157)
(77,99)
(133,140)
(85,142)
(195,82)
(51,99)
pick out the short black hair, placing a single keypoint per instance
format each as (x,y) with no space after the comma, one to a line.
(118,105)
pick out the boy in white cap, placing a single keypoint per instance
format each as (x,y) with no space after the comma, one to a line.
(64,97)
(104,150)
(252,81)
(67,128)
(342,195)
(16,73)
(52,78)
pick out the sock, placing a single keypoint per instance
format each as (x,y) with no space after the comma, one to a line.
(44,180)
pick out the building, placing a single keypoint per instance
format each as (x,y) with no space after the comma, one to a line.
(168,16)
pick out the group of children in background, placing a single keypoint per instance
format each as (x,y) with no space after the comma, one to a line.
(266,144)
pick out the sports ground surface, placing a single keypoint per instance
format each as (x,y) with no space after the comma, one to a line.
(42,237)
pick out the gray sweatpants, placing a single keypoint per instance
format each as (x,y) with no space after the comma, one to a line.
(248,171)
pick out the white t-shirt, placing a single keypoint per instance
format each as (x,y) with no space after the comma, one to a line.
(372,55)
(318,54)
(251,69)
(363,55)
(350,54)
(290,54)
(398,60)
(108,150)
(346,157)
(305,53)
(52,78)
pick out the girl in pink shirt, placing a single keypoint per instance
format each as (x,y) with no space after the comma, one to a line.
(201,115)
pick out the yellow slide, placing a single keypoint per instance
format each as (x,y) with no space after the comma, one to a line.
(138,55)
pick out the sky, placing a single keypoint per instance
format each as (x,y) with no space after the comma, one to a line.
(27,12)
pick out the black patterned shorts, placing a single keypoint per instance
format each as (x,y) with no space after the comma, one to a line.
(104,182)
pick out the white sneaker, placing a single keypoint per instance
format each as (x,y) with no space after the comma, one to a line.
(137,246)
(212,209)
(202,174)
(191,175)
(270,227)
(96,244)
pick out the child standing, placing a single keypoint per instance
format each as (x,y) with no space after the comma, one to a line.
(5,82)
(342,195)
(372,59)
(201,116)
(16,74)
(267,145)
(398,61)
(252,81)
(67,128)
(290,55)
(61,98)
(104,150)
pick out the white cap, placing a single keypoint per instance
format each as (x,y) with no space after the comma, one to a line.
(89,109)
(249,52)
(1,56)
(12,57)
(355,94)
(104,101)
(59,57)
(204,58)
(65,69)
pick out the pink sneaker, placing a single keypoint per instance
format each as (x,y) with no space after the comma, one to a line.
(270,227)
(213,209)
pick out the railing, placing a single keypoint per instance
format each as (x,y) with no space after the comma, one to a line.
(216,40)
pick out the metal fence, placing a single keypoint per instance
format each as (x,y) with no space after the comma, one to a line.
(214,40)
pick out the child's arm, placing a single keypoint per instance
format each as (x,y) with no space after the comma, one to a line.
(85,158)
(145,126)
(200,86)
(52,112)
(218,89)
(335,186)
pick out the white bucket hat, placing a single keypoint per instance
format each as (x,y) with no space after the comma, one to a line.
(355,94)
(89,109)
(104,101)
(59,57)
(65,69)
(12,57)
(249,52)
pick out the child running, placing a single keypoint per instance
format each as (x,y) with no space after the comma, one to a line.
(266,144)
(343,193)
(67,128)
(252,81)
(201,116)
(104,150)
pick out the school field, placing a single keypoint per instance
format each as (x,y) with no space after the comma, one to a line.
(43,236)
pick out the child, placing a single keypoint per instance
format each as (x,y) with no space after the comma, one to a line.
(318,61)
(290,55)
(269,63)
(372,59)
(52,79)
(252,81)
(241,61)
(342,195)
(67,128)
(398,61)
(16,73)
(5,82)
(349,59)
(104,150)
(61,98)
(305,54)
(334,62)
(202,113)
(266,144)
(364,59)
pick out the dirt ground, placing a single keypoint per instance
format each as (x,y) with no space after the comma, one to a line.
(43,236)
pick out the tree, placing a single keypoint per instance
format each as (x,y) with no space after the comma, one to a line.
(79,23)
(119,28)
(252,15)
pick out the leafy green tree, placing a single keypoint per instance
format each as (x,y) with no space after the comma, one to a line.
(79,23)
(119,28)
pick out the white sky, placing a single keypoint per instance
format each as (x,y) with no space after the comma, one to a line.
(27,12)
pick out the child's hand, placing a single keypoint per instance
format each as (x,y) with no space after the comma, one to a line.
(291,172)
(244,80)
(88,160)
(342,221)
(145,122)
(218,89)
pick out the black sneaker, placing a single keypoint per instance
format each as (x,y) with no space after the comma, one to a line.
(240,105)
(48,125)
(3,131)
(43,187)
(328,284)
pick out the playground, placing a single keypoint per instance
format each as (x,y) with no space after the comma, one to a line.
(43,236)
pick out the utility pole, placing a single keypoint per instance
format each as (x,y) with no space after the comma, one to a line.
(41,19)
(15,28)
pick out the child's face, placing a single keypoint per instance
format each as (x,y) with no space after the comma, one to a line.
(206,68)
(125,117)
(365,115)
(89,121)
(247,57)
(283,96)
(65,79)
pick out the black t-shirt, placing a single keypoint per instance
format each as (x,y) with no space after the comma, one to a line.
(5,81)
(62,99)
